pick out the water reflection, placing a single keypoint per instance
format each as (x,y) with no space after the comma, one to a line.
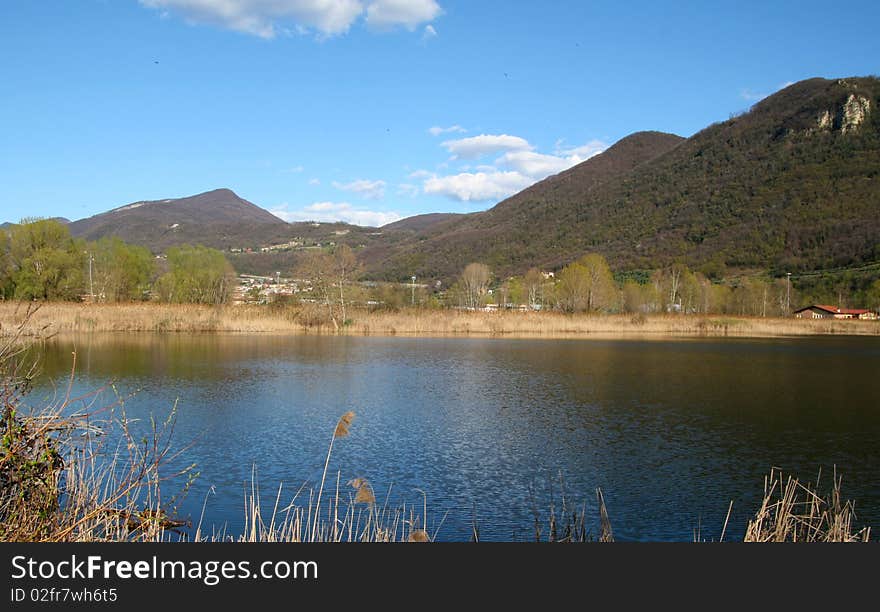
(671,430)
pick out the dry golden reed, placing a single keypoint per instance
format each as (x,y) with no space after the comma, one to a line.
(363,491)
(69,318)
(605,532)
(419,535)
(794,512)
(343,425)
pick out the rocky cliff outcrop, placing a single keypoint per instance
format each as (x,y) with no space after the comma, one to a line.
(848,116)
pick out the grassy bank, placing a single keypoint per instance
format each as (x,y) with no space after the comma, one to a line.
(55,318)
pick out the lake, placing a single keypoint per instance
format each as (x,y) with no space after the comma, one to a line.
(672,430)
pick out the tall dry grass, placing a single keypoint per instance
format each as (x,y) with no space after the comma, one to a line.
(73,470)
(794,512)
(567,522)
(350,514)
(55,318)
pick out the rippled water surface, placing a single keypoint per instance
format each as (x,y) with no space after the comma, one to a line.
(672,430)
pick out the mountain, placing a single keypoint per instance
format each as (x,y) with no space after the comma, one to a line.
(447,244)
(218,218)
(793,184)
(419,223)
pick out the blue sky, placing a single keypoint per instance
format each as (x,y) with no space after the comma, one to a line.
(372,110)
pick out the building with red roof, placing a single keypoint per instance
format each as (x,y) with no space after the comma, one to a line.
(822,311)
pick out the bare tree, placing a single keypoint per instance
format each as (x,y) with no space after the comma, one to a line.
(504,295)
(533,281)
(329,274)
(344,268)
(475,281)
(674,284)
(316,268)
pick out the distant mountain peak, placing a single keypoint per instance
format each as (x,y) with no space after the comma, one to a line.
(217,218)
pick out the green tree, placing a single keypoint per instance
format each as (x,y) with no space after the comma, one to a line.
(633,297)
(689,291)
(872,296)
(517,289)
(45,261)
(587,285)
(119,271)
(389,296)
(7,288)
(196,275)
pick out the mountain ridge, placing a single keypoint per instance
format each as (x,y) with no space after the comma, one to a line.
(791,184)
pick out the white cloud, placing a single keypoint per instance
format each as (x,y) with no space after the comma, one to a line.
(536,165)
(410,14)
(585,151)
(477,146)
(266,18)
(428,33)
(541,165)
(330,212)
(314,181)
(519,167)
(408,190)
(437,130)
(421,174)
(371,190)
(294,170)
(478,186)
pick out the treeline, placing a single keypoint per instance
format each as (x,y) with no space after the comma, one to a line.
(329,283)
(588,285)
(40,260)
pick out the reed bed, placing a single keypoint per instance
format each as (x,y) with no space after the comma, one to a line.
(795,512)
(62,318)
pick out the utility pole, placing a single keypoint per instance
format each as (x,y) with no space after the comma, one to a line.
(413,300)
(788,295)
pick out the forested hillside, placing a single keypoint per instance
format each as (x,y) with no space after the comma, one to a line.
(790,185)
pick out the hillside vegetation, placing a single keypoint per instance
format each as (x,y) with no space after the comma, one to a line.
(791,185)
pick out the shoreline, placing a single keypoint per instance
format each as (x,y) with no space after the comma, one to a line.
(51,319)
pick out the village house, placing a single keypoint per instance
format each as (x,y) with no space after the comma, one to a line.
(821,311)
